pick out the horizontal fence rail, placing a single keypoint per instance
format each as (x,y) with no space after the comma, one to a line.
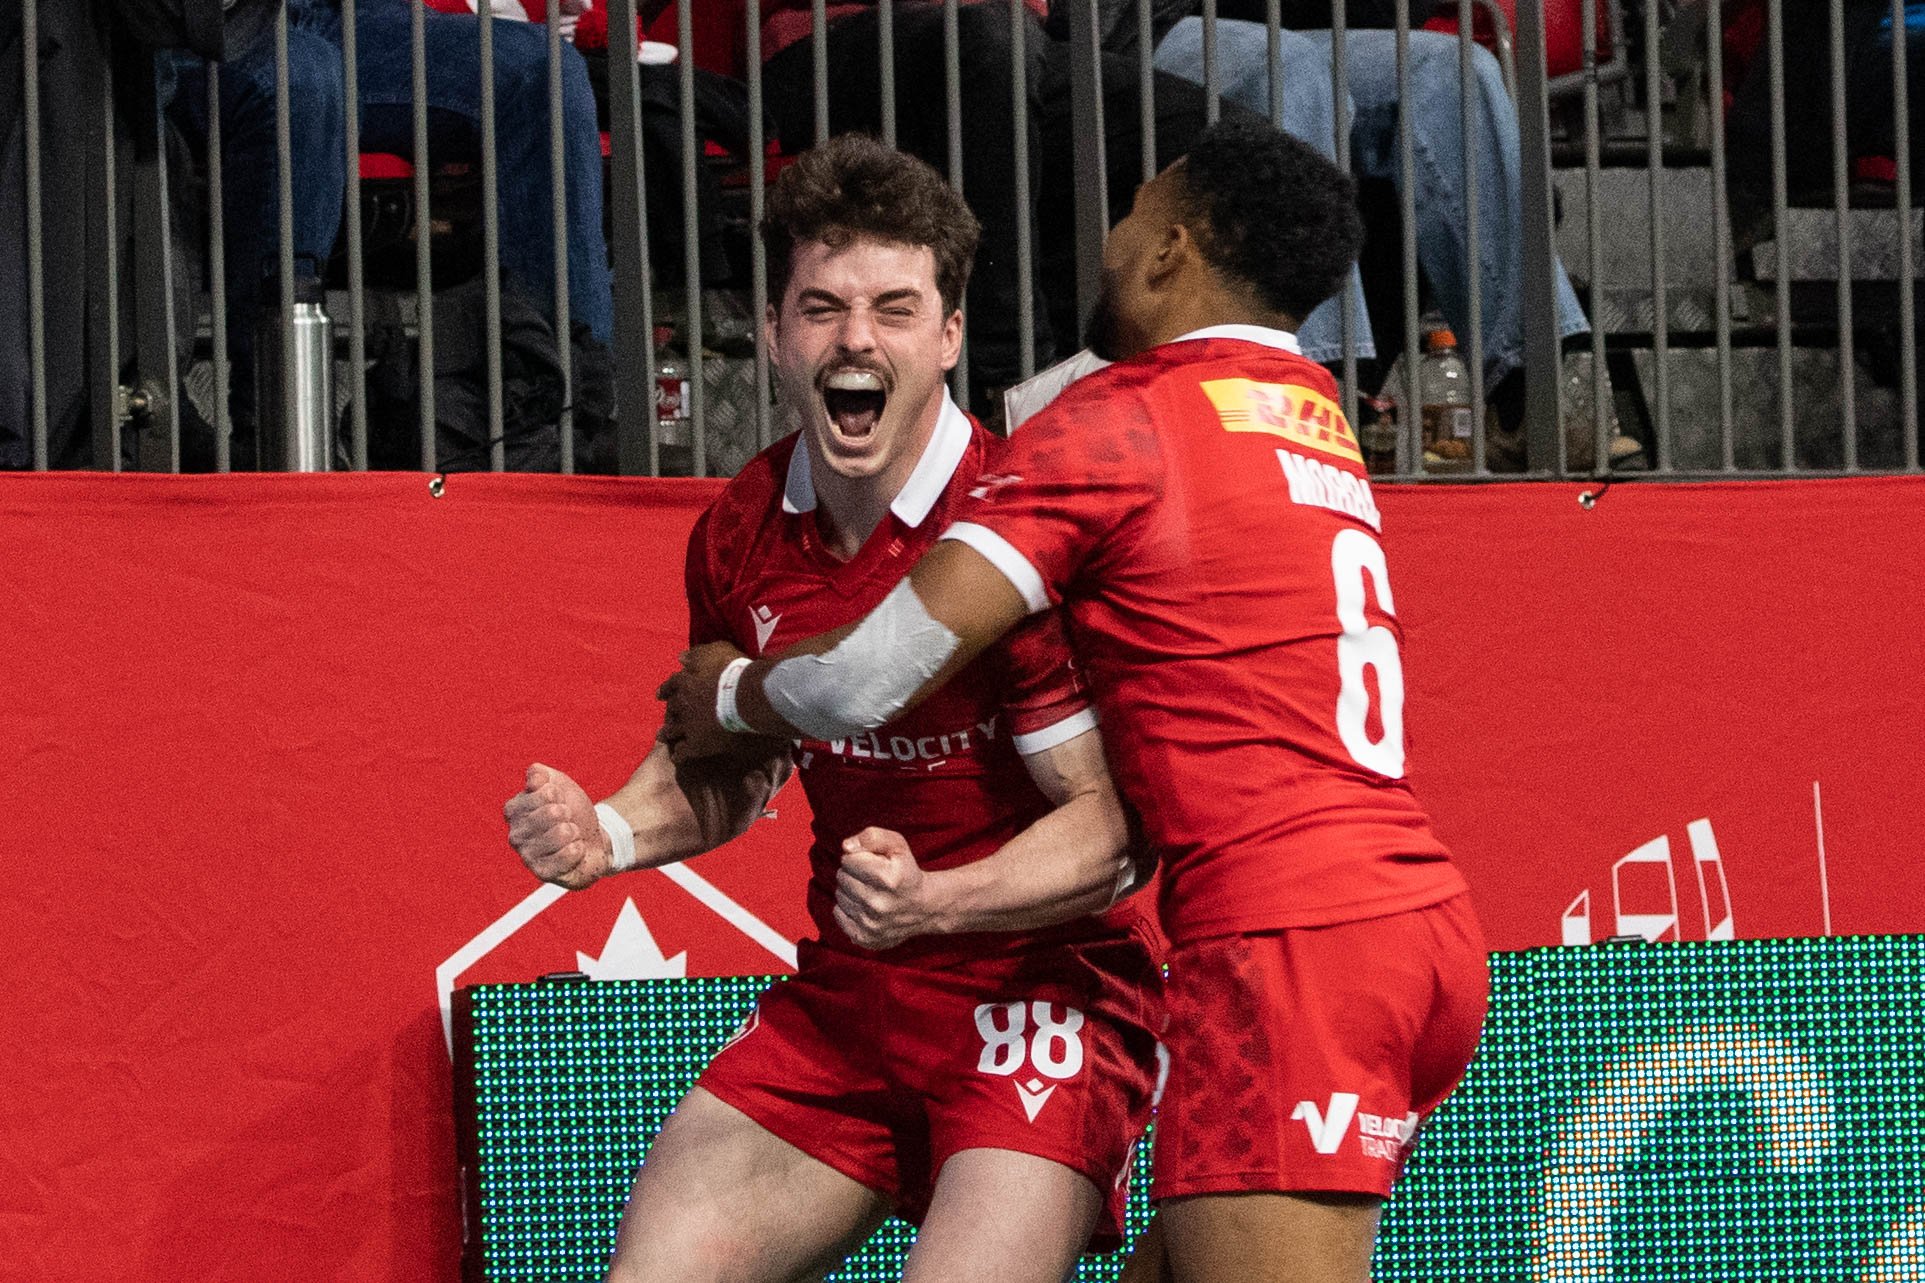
(1606,238)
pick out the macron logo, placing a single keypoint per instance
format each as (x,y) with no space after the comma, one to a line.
(1035,1096)
(764,627)
(1327,1129)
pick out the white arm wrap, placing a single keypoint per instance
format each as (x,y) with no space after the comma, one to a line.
(621,837)
(869,676)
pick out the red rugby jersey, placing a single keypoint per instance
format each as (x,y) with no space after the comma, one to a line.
(948,774)
(1203,515)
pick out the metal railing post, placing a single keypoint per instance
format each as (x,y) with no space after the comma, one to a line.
(1092,165)
(1542,412)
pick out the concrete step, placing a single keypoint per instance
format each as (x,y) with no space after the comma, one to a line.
(1816,400)
(1812,239)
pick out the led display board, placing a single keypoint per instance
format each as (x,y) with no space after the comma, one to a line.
(1735,1110)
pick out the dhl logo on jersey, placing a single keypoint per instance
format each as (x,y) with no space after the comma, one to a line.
(1298,414)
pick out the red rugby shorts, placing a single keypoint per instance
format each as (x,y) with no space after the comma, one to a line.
(1306,1059)
(883,1071)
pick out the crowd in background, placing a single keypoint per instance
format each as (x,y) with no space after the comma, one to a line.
(1448,162)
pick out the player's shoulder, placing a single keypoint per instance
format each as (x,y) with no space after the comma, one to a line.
(1082,427)
(746,510)
(758,487)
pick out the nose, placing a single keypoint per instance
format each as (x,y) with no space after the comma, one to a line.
(858,331)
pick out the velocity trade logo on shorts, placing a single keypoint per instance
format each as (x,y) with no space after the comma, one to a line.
(1380,1136)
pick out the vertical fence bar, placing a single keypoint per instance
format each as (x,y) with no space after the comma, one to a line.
(423,242)
(217,273)
(1273,52)
(1654,165)
(1721,228)
(639,424)
(558,213)
(1841,209)
(1146,87)
(1467,124)
(1902,228)
(886,73)
(103,287)
(157,445)
(284,199)
(758,253)
(1092,167)
(1781,230)
(691,238)
(819,44)
(1340,94)
(1542,413)
(36,287)
(1410,428)
(357,300)
(1212,77)
(952,107)
(1025,251)
(1594,251)
(491,237)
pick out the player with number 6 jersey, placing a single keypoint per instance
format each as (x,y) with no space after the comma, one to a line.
(1200,512)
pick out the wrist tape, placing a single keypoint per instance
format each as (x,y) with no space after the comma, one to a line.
(621,837)
(726,714)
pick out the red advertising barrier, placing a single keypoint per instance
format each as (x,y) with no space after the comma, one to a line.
(257,732)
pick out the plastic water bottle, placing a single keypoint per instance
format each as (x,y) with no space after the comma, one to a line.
(1443,386)
(304,442)
(674,407)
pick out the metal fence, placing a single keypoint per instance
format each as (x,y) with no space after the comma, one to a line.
(1657,264)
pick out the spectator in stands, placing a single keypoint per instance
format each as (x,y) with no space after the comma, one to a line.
(384,65)
(1444,251)
(987,41)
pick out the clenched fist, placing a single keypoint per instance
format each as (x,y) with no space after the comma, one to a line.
(553,828)
(883,897)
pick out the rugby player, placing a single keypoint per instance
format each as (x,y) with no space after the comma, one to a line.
(1201,512)
(984,1079)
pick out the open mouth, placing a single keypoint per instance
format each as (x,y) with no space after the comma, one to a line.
(853,400)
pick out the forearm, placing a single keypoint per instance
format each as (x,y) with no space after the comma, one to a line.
(679,813)
(1077,860)
(659,813)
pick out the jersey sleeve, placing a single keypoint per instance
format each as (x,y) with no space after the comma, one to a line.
(704,614)
(1069,485)
(1045,696)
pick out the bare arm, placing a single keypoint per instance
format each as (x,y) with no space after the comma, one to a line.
(675,812)
(1079,859)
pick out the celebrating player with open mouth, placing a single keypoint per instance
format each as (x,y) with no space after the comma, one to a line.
(942,1053)
(1201,512)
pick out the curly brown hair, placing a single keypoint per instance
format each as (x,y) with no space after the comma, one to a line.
(853,185)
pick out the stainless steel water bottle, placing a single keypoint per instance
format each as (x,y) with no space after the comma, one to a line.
(296,433)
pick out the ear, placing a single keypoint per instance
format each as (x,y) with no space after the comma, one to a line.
(770,328)
(1177,255)
(952,332)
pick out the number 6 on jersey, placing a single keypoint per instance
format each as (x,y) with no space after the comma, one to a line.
(1364,645)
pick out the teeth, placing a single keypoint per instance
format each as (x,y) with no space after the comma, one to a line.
(854,381)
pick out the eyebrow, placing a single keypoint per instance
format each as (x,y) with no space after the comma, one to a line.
(815,294)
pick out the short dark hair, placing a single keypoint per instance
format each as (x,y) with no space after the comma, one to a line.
(1270,213)
(853,185)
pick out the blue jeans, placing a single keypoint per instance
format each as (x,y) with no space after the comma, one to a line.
(384,68)
(1444,251)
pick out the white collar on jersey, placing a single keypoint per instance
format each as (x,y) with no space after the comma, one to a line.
(1263,334)
(918,495)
